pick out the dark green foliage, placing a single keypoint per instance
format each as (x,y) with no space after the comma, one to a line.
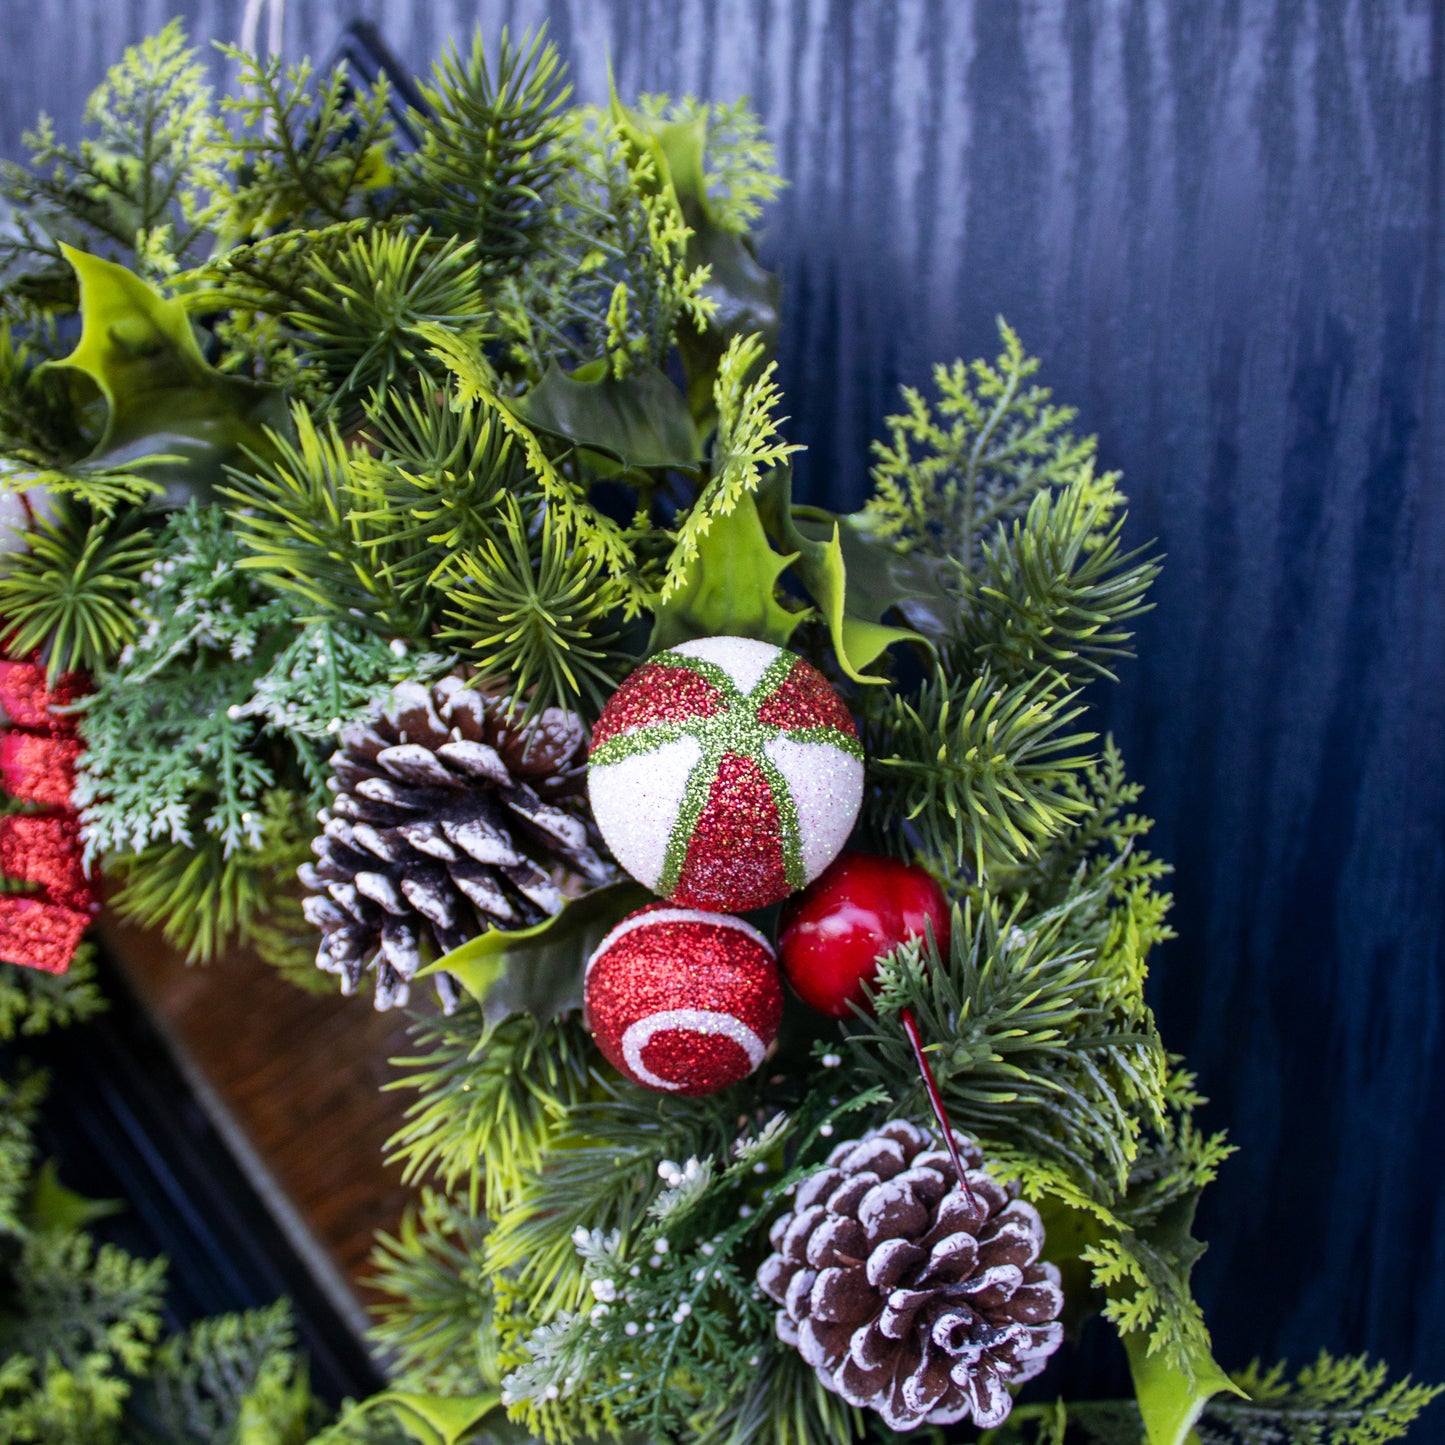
(33,1001)
(359,311)
(532,615)
(71,595)
(487,154)
(976,771)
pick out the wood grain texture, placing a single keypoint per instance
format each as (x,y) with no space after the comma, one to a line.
(1219,222)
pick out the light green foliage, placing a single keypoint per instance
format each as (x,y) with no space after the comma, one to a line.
(613,280)
(359,310)
(977,771)
(747,442)
(949,474)
(70,596)
(140,183)
(740,174)
(298,149)
(529,610)
(34,1002)
(230,1380)
(488,154)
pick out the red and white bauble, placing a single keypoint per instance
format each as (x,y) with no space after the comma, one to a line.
(683,1001)
(725,774)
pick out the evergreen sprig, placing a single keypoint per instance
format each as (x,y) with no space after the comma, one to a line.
(360,309)
(950,473)
(487,156)
(141,184)
(529,610)
(70,595)
(33,1001)
(979,772)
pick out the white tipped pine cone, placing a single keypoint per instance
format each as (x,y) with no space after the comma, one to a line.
(904,1293)
(450,817)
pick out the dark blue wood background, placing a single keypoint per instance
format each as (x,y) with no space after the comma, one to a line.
(1219,223)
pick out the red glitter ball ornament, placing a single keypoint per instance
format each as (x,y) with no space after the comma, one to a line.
(681,1001)
(725,773)
(832,935)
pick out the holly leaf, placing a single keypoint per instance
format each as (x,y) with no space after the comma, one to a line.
(641,420)
(852,602)
(731,586)
(164,401)
(428,1419)
(538,970)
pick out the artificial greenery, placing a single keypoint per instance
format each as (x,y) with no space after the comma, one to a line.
(363,396)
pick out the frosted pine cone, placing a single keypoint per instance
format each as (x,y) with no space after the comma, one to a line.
(449,819)
(906,1295)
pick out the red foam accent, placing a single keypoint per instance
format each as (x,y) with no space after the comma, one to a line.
(39,935)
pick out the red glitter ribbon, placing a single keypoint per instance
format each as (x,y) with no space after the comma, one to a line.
(41,926)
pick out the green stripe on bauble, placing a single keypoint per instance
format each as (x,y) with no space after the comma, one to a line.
(725,774)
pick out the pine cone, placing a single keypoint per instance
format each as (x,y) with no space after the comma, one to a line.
(904,1293)
(449,818)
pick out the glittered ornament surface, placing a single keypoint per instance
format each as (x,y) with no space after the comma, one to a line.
(725,774)
(683,1001)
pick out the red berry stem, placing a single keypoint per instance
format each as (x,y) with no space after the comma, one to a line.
(910,1027)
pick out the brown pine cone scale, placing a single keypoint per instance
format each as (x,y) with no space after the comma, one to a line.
(907,1294)
(450,817)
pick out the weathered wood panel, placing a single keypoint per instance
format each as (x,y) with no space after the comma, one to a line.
(1218,220)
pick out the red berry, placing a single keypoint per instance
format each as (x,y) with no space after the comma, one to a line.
(832,934)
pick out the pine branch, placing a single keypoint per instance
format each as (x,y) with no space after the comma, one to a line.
(529,610)
(69,596)
(1054,589)
(360,310)
(978,773)
(439,1323)
(487,157)
(490,1100)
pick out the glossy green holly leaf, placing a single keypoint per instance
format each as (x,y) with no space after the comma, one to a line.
(731,587)
(163,400)
(852,603)
(640,420)
(538,970)
(1174,1386)
(427,1419)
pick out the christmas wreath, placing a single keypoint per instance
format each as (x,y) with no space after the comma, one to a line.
(404,578)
